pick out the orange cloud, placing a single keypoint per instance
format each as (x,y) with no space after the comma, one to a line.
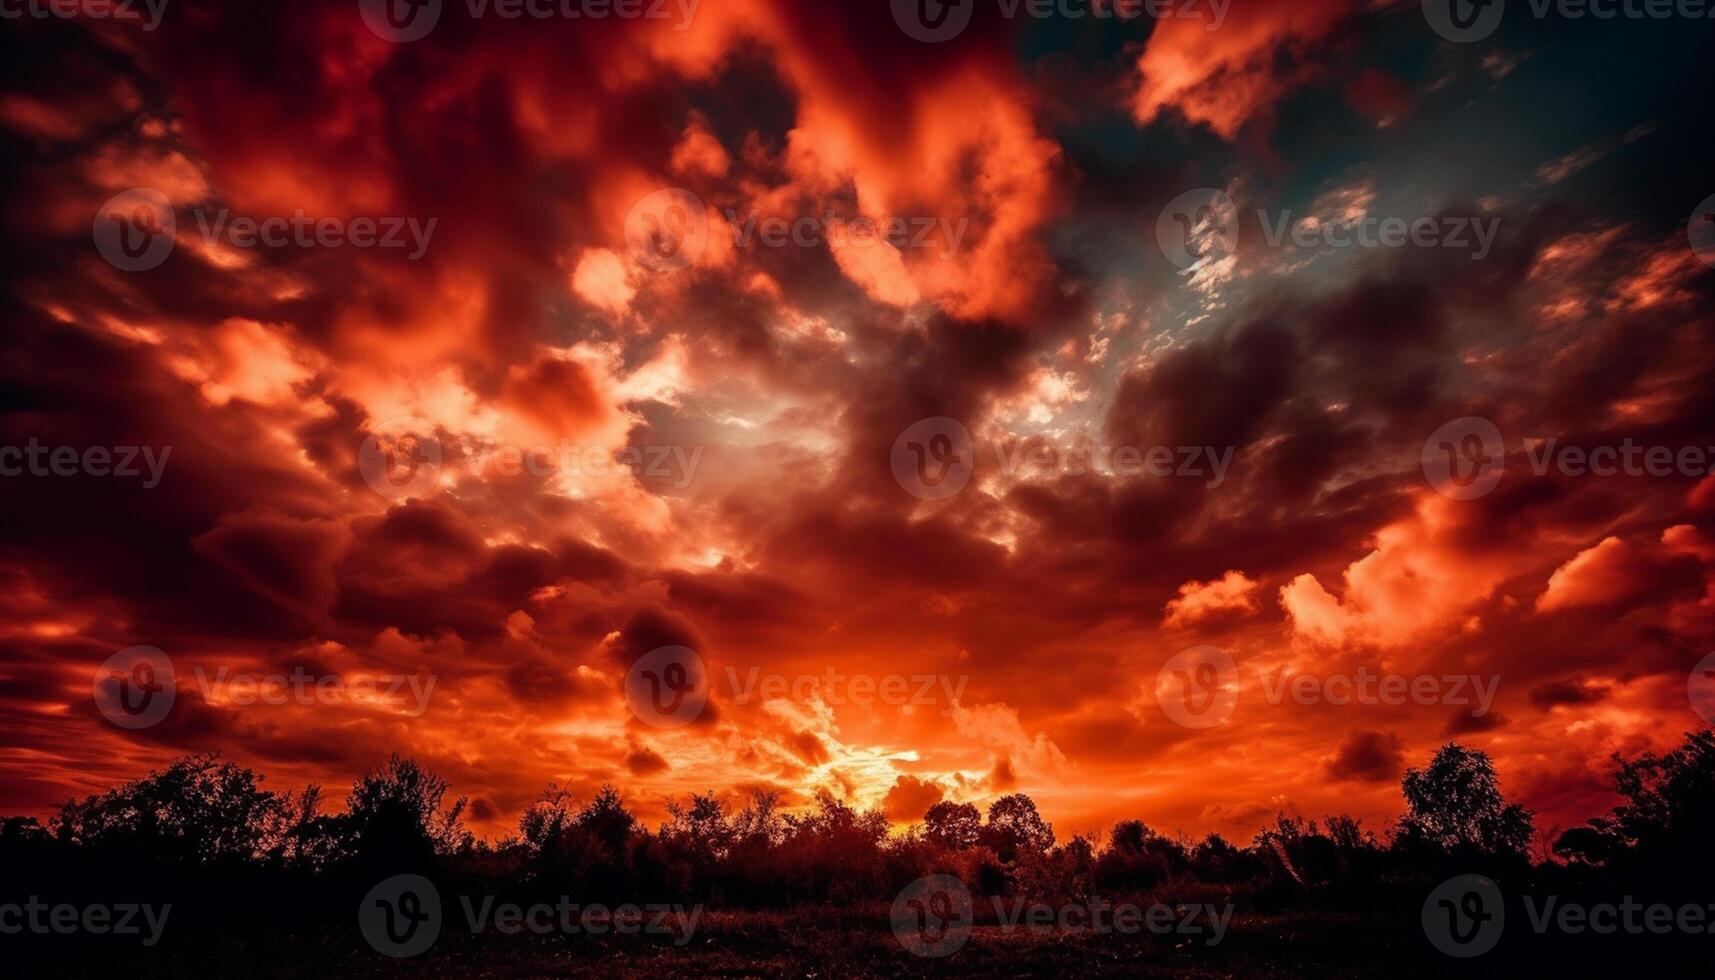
(1232,592)
(1226,78)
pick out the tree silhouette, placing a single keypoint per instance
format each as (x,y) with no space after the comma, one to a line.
(1015,828)
(1138,857)
(760,822)
(202,830)
(1217,859)
(546,820)
(1670,799)
(196,809)
(953,825)
(607,821)
(396,815)
(702,828)
(1455,803)
(1668,807)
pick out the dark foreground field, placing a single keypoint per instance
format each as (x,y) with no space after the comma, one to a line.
(750,944)
(824,943)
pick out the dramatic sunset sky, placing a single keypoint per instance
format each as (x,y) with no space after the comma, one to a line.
(788,372)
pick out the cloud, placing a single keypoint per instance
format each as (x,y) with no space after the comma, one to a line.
(910,798)
(1226,78)
(1368,757)
(741,413)
(1420,577)
(641,760)
(1232,593)
(1572,691)
(600,278)
(1467,723)
(287,561)
(1606,573)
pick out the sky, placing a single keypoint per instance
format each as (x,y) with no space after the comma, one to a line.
(1046,409)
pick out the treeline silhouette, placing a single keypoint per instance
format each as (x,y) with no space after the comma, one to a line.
(238,860)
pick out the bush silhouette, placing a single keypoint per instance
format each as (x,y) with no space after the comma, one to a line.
(201,829)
